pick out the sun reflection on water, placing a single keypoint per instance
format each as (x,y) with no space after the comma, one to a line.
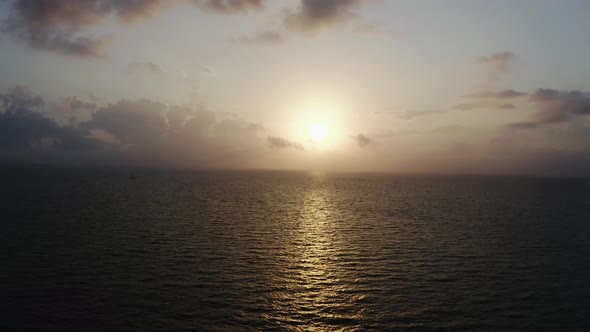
(316,293)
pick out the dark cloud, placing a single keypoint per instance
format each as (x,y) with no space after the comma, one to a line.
(145,67)
(362,140)
(554,106)
(59,25)
(56,25)
(504,94)
(545,95)
(19,96)
(281,143)
(139,132)
(314,14)
(23,128)
(131,122)
(262,38)
(571,102)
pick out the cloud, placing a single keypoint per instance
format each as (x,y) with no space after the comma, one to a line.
(20,96)
(473,106)
(498,61)
(483,104)
(313,14)
(261,38)
(145,67)
(506,106)
(498,64)
(362,140)
(126,132)
(281,143)
(569,102)
(210,70)
(71,110)
(153,134)
(131,122)
(74,104)
(58,25)
(524,125)
(230,6)
(504,94)
(554,106)
(409,115)
(24,129)
(372,29)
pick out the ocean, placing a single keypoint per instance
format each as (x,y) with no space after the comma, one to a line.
(94,250)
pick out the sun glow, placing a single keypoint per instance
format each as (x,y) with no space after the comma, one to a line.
(317,132)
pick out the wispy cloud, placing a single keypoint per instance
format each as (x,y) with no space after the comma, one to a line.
(230,6)
(503,94)
(135,67)
(261,38)
(498,61)
(409,115)
(498,64)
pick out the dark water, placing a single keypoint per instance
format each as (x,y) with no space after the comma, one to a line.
(239,251)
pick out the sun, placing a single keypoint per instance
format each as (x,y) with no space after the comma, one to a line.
(317,132)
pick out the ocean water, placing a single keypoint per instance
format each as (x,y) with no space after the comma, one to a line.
(92,250)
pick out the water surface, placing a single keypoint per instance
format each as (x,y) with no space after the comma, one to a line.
(94,250)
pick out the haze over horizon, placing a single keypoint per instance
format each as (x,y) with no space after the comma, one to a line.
(352,85)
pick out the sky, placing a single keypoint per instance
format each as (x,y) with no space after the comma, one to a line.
(462,86)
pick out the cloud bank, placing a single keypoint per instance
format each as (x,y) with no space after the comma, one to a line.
(134,132)
(148,133)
